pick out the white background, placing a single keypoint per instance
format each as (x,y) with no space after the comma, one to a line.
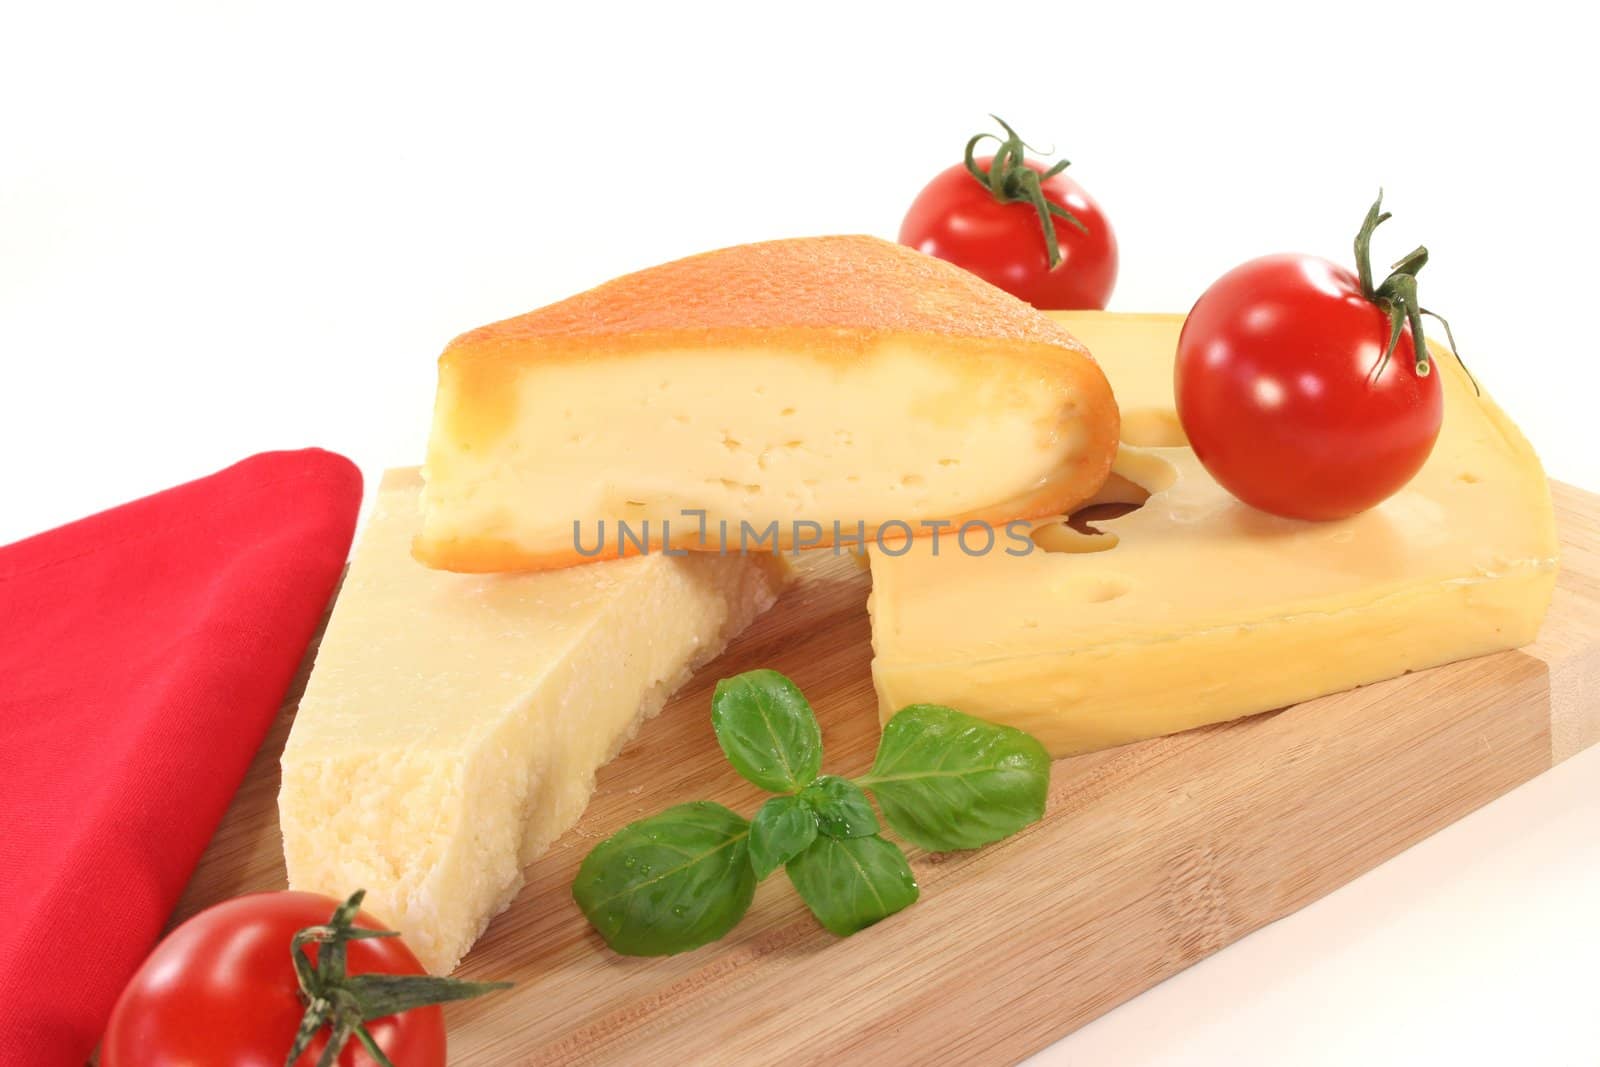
(234,227)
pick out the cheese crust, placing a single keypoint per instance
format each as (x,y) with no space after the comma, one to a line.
(837,379)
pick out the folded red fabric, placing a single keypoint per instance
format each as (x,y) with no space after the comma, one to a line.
(143,654)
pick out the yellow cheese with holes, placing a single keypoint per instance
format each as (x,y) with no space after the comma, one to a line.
(453,724)
(1195,608)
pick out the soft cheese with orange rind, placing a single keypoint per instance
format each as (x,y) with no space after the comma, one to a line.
(818,380)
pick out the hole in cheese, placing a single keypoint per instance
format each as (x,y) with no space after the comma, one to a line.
(1058,536)
(1118,490)
(1076,533)
(1082,519)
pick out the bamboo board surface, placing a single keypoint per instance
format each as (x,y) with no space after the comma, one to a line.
(1149,858)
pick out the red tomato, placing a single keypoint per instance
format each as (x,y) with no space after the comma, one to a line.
(1001,240)
(1276,390)
(221,989)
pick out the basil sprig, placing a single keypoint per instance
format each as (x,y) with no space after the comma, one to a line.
(685,877)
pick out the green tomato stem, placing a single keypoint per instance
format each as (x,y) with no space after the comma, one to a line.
(1011,181)
(1397,296)
(344,1003)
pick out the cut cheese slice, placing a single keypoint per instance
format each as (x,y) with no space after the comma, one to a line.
(1195,608)
(766,392)
(453,724)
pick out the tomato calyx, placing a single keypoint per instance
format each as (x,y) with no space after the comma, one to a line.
(1397,296)
(345,1003)
(1012,181)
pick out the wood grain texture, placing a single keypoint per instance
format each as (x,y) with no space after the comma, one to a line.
(1150,857)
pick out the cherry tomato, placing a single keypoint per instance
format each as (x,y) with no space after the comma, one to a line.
(221,989)
(1001,238)
(1280,393)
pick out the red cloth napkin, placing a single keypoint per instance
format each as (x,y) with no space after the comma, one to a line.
(143,654)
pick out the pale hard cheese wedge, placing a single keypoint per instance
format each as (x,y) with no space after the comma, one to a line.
(783,387)
(1195,608)
(453,724)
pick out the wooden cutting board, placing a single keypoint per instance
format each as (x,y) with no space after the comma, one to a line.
(1149,857)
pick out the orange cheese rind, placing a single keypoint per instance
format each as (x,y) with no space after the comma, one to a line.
(829,294)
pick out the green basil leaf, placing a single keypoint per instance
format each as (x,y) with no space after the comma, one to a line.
(946,780)
(851,882)
(768,730)
(669,883)
(782,828)
(843,810)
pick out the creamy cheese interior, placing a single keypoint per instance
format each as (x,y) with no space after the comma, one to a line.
(1197,608)
(750,436)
